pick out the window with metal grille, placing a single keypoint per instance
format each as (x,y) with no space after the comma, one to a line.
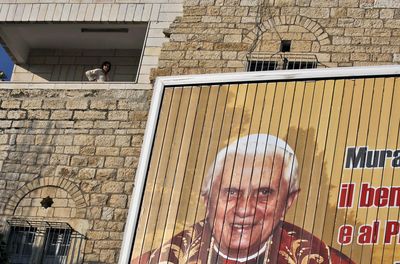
(280,61)
(43,242)
(20,243)
(57,244)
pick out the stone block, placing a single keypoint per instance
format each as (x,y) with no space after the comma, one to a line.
(201,55)
(3,114)
(396,58)
(126,174)
(53,104)
(65,171)
(61,115)
(359,56)
(77,104)
(16,114)
(61,202)
(118,201)
(62,212)
(107,256)
(10,104)
(5,124)
(29,158)
(113,187)
(98,199)
(3,139)
(43,159)
(105,124)
(86,173)
(96,162)
(114,162)
(107,151)
(340,57)
(83,140)
(89,115)
(25,139)
(43,139)
(107,213)
(108,244)
(83,124)
(106,174)
(92,258)
(38,114)
(79,161)
(105,140)
(123,141)
(98,235)
(315,12)
(336,40)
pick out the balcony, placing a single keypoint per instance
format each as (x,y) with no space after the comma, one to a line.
(61,53)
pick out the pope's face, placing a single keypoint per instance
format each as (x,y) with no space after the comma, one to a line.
(247,202)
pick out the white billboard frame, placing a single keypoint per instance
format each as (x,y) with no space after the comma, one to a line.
(220,78)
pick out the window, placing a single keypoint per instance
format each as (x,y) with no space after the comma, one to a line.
(286,45)
(279,61)
(58,242)
(43,242)
(20,243)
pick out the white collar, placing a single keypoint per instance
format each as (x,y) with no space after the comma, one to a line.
(242,260)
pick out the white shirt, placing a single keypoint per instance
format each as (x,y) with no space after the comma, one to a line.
(97,75)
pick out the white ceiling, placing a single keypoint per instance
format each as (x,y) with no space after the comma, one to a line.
(69,36)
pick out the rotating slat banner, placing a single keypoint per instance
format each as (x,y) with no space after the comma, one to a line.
(299,171)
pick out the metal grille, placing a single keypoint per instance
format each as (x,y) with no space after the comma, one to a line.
(43,242)
(261,61)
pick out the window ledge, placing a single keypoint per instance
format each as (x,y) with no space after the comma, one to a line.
(76,85)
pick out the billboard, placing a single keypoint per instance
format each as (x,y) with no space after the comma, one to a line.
(270,167)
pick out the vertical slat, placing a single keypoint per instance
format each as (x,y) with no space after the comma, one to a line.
(89,13)
(73,14)
(19,12)
(66,12)
(114,12)
(27,12)
(130,12)
(82,12)
(105,14)
(121,12)
(35,12)
(42,12)
(58,12)
(138,12)
(97,12)
(50,12)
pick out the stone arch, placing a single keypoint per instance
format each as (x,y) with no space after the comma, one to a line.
(308,24)
(70,187)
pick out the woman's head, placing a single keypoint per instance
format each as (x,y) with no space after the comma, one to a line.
(106,66)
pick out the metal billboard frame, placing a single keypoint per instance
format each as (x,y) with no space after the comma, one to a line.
(221,78)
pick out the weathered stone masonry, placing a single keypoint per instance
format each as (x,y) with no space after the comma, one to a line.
(216,35)
(81,148)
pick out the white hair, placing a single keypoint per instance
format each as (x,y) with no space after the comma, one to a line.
(255,144)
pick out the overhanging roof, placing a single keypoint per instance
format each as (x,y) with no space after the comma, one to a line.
(19,38)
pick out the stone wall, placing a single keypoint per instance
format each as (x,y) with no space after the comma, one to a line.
(79,147)
(218,35)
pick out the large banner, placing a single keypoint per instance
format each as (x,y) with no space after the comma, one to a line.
(281,168)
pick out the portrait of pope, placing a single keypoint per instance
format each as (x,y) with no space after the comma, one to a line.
(246,192)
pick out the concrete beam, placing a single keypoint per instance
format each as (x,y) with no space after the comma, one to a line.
(15,46)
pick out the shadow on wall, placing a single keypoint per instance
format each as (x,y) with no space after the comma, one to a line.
(4,258)
(71,65)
